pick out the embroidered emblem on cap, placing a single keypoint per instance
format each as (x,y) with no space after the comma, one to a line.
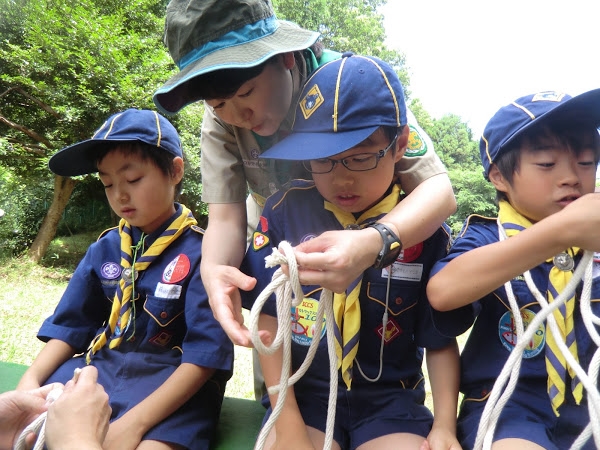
(110,270)
(259,240)
(548,96)
(311,101)
(177,269)
(416,144)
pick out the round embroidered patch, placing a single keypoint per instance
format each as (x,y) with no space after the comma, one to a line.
(110,270)
(303,320)
(416,144)
(508,334)
(177,269)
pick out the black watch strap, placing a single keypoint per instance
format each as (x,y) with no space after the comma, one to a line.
(392,246)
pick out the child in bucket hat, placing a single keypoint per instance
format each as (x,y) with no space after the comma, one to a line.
(350,130)
(250,91)
(136,307)
(541,153)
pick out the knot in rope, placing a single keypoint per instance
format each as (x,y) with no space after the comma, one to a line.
(284,286)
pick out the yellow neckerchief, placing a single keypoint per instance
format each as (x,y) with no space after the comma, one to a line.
(120,314)
(346,306)
(556,364)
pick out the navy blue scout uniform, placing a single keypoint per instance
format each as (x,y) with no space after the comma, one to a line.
(300,214)
(173,324)
(528,413)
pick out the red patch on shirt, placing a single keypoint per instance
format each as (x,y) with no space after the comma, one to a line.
(411,253)
(264,224)
(161,339)
(177,269)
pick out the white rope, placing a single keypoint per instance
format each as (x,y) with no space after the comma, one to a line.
(283,287)
(38,426)
(500,394)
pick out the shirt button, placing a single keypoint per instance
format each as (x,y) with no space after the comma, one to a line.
(163,315)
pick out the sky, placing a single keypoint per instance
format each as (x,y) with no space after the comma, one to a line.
(471,57)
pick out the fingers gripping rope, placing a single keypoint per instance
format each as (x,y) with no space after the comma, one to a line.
(38,426)
(507,380)
(283,287)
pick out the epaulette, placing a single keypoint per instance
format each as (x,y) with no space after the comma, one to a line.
(475,218)
(105,231)
(198,229)
(294,186)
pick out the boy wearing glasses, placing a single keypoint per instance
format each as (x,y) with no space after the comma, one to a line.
(350,130)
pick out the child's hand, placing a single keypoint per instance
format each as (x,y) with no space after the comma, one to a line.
(441,439)
(580,222)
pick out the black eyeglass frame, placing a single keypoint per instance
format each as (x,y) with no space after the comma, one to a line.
(380,154)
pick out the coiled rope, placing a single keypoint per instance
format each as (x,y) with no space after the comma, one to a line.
(283,287)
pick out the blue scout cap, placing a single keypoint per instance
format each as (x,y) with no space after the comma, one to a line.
(514,119)
(140,125)
(208,35)
(341,105)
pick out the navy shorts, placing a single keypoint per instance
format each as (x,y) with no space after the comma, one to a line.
(366,412)
(126,379)
(527,415)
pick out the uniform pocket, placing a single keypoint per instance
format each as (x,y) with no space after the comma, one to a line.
(163,310)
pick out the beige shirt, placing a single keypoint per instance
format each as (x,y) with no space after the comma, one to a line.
(230,162)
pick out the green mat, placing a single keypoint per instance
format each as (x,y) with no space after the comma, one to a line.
(239,423)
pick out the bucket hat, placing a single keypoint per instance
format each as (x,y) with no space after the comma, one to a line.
(131,125)
(207,35)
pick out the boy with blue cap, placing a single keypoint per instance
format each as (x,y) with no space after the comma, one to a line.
(541,153)
(250,67)
(136,307)
(350,131)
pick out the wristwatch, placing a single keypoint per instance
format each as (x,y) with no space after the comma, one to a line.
(392,245)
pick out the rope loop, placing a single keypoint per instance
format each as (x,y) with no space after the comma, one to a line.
(283,287)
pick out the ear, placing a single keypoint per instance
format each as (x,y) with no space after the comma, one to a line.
(497,179)
(402,143)
(177,170)
(288,60)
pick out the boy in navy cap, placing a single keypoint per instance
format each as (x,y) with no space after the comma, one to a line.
(350,130)
(136,307)
(541,153)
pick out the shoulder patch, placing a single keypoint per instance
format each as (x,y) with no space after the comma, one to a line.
(104,232)
(259,240)
(416,144)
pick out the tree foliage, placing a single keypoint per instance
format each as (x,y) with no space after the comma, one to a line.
(345,25)
(454,144)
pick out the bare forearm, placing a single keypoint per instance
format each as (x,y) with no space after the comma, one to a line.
(170,396)
(443,366)
(54,353)
(224,241)
(484,269)
(423,211)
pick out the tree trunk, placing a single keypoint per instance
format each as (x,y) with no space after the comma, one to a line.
(63,187)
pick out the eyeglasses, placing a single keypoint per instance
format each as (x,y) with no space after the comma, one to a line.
(360,162)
